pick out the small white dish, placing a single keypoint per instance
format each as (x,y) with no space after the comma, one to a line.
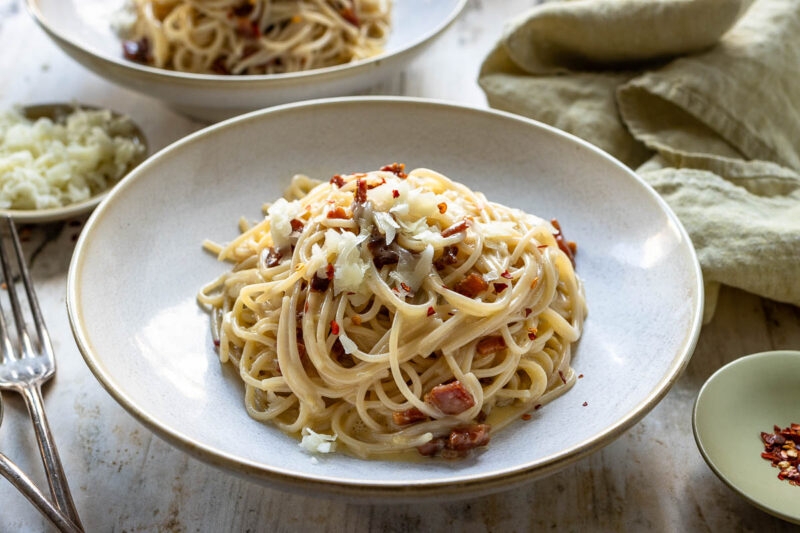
(139,264)
(52,214)
(82,28)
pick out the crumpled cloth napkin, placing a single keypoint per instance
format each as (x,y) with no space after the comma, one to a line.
(701,97)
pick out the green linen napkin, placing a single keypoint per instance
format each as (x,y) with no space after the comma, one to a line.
(701,97)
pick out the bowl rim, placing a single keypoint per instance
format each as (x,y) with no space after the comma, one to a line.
(382,489)
(242,80)
(795,519)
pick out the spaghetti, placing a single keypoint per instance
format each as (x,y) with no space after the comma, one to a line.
(255,36)
(387,312)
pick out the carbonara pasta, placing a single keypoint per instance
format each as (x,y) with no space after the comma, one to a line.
(386,312)
(254,36)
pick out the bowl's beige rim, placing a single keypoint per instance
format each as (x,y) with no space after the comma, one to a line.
(241,81)
(52,214)
(381,489)
(710,462)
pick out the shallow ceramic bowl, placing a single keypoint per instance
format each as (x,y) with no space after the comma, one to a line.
(737,403)
(35,216)
(139,264)
(82,29)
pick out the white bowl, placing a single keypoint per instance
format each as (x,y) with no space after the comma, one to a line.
(139,264)
(82,29)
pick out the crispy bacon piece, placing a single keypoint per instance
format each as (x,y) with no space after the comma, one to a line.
(350,16)
(319,284)
(568,247)
(488,345)
(297,225)
(396,168)
(337,212)
(409,416)
(432,447)
(338,181)
(471,286)
(273,257)
(458,227)
(361,191)
(451,398)
(449,257)
(466,438)
(382,254)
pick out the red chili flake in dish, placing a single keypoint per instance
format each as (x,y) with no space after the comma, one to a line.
(338,181)
(297,225)
(542,246)
(568,247)
(431,311)
(216,341)
(334,327)
(526,416)
(585,404)
(329,271)
(442,208)
(780,447)
(138,51)
(532,336)
(505,274)
(458,227)
(499,287)
(561,375)
(395,168)
(405,287)
(349,15)
(305,307)
(580,376)
(361,191)
(535,282)
(528,311)
(395,193)
(471,286)
(337,212)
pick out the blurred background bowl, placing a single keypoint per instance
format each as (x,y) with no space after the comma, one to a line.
(82,28)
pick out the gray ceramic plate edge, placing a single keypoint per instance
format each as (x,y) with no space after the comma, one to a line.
(496,480)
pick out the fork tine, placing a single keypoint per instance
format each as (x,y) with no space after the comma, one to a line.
(41,329)
(24,339)
(7,352)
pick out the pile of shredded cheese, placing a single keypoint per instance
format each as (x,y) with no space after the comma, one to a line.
(46,164)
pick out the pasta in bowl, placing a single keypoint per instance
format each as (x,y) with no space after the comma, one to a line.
(397,312)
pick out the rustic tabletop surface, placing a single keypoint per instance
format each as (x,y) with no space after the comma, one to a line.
(125,479)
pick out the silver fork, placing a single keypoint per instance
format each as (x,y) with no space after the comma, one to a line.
(25,369)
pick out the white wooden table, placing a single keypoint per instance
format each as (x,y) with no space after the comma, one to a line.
(125,479)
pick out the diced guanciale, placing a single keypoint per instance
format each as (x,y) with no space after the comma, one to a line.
(337,212)
(449,257)
(432,447)
(471,286)
(396,168)
(458,227)
(451,398)
(338,181)
(409,416)
(361,191)
(466,438)
(273,257)
(489,345)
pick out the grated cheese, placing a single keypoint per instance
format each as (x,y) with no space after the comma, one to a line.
(317,442)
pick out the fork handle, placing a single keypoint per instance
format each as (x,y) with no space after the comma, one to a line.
(17,477)
(47,448)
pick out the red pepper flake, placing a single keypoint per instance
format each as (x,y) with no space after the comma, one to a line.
(442,208)
(337,212)
(361,191)
(537,407)
(458,227)
(395,193)
(532,336)
(334,327)
(405,287)
(297,225)
(216,341)
(781,449)
(305,307)
(561,375)
(329,271)
(356,320)
(505,274)
(580,376)
(349,15)
(535,282)
(542,246)
(499,287)
(431,311)
(395,168)
(338,181)
(569,248)
(528,311)
(585,404)
(526,416)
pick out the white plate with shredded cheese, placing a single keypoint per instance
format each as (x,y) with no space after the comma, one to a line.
(156,355)
(59,160)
